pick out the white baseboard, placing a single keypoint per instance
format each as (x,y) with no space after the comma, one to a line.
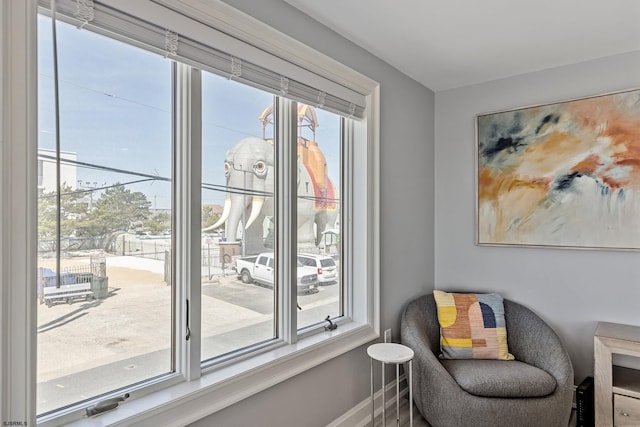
(360,415)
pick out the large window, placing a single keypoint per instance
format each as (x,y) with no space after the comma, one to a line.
(197,215)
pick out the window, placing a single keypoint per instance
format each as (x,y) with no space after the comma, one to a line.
(319,147)
(104,304)
(171,168)
(238,171)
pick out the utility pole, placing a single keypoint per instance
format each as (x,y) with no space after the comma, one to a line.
(87,185)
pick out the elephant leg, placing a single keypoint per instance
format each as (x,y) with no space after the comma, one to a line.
(320,227)
(254,241)
(306,235)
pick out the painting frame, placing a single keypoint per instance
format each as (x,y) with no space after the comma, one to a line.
(563,175)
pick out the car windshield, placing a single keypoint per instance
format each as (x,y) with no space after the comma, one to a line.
(327,262)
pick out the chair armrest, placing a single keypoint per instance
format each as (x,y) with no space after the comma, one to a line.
(534,342)
(420,331)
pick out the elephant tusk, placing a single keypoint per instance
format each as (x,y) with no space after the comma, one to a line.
(225,214)
(256,208)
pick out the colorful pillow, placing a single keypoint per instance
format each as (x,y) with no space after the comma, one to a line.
(472,326)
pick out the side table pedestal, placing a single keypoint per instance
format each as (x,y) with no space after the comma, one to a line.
(392,353)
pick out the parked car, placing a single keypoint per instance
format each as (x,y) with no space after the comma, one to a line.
(260,269)
(325,266)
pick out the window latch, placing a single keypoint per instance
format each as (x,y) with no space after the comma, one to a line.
(331,326)
(188,335)
(106,405)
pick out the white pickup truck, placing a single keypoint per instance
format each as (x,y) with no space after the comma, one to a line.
(260,269)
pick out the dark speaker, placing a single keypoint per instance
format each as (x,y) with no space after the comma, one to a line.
(584,403)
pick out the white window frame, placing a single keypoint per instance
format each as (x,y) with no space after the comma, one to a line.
(200,393)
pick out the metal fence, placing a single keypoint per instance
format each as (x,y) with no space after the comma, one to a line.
(128,244)
(122,244)
(48,248)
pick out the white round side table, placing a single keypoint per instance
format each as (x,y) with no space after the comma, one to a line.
(398,354)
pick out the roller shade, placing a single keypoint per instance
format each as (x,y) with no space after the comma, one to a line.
(179,37)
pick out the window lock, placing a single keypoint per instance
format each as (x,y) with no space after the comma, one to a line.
(331,326)
(106,405)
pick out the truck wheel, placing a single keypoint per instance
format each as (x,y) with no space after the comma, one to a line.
(245,276)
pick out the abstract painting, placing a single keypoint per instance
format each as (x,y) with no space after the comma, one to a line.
(561,175)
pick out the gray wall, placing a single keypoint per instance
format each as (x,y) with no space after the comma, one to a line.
(571,289)
(320,395)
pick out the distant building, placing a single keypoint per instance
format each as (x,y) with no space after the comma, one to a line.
(47,170)
(215,209)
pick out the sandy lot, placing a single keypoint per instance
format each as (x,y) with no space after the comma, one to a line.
(127,335)
(133,319)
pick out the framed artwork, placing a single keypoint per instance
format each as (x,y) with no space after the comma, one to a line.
(561,175)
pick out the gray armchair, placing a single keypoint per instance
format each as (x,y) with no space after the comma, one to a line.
(534,390)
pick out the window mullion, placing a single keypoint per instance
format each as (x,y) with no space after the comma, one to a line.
(18,133)
(286,114)
(188,177)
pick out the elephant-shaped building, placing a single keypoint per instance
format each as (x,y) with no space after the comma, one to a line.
(249,172)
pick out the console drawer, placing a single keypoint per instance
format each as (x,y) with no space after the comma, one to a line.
(626,411)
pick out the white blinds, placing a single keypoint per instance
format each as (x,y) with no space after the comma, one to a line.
(181,38)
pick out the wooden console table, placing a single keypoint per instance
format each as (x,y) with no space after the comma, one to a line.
(617,389)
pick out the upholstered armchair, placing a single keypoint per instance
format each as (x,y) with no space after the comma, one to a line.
(536,389)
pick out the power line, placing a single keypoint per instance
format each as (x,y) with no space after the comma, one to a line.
(110,95)
(213,187)
(149,177)
(102,168)
(141,104)
(117,184)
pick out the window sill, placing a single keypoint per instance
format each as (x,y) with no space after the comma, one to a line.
(188,402)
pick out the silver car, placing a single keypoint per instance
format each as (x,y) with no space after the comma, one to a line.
(325,266)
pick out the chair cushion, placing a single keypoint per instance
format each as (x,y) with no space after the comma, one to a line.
(496,378)
(472,326)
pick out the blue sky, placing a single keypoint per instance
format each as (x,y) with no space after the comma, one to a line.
(115,111)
